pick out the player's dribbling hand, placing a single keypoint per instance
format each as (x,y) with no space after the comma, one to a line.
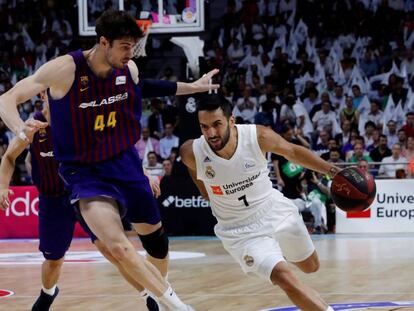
(204,83)
(4,198)
(155,187)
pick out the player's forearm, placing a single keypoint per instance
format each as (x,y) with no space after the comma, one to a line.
(184,88)
(9,113)
(310,160)
(6,171)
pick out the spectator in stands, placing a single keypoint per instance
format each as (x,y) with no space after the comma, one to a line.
(369,64)
(265,117)
(357,96)
(335,156)
(375,114)
(287,173)
(375,140)
(332,144)
(409,150)
(364,165)
(311,100)
(235,51)
(390,164)
(358,154)
(369,127)
(167,165)
(343,137)
(325,119)
(322,144)
(153,168)
(408,127)
(338,99)
(147,144)
(168,141)
(156,119)
(245,107)
(349,113)
(392,133)
(382,151)
(402,139)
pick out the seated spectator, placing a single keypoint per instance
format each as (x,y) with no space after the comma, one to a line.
(325,119)
(168,141)
(375,140)
(408,153)
(335,156)
(246,106)
(358,154)
(343,137)
(322,146)
(311,100)
(389,165)
(364,165)
(402,139)
(265,117)
(154,169)
(349,113)
(357,96)
(338,99)
(375,114)
(147,144)
(382,151)
(167,165)
(369,129)
(331,145)
(408,127)
(391,133)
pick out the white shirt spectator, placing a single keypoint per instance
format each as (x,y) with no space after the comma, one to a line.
(166,144)
(301,113)
(392,139)
(235,51)
(376,118)
(325,120)
(389,169)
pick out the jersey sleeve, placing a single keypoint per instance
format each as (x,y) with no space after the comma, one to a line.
(157,88)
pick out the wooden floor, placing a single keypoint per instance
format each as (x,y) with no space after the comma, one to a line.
(353,269)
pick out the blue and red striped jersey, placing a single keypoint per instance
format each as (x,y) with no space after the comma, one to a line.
(44,166)
(99,117)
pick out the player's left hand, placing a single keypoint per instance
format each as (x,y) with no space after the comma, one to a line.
(155,187)
(4,198)
(204,84)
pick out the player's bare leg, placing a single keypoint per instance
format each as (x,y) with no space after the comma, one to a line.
(50,275)
(102,216)
(302,296)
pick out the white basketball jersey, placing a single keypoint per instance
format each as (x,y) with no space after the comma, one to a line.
(236,187)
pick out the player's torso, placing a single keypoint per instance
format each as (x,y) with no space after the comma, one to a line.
(98,118)
(44,165)
(236,187)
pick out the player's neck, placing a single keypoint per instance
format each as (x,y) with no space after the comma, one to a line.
(96,60)
(228,151)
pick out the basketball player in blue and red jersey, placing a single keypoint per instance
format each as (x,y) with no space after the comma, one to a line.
(95,108)
(56,215)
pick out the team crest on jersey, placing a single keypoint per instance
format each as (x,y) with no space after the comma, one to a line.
(42,133)
(248,260)
(210,173)
(84,81)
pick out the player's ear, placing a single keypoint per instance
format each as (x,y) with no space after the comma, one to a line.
(103,41)
(232,121)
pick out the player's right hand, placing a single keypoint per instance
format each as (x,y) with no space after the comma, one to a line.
(31,126)
(4,198)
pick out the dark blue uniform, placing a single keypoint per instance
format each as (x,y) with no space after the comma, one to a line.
(56,214)
(95,126)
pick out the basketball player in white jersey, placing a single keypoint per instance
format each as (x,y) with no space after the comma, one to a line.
(257,225)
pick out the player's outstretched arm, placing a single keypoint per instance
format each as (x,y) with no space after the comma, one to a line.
(201,85)
(270,141)
(54,74)
(187,156)
(7,165)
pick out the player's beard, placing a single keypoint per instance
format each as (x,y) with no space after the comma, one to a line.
(224,140)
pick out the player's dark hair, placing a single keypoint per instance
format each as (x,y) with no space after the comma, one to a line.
(116,25)
(212,102)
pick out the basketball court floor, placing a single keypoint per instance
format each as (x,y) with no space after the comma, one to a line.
(358,272)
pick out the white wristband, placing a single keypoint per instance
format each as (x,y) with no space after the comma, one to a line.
(22,135)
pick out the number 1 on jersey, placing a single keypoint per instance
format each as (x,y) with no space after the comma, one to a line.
(100,122)
(243,198)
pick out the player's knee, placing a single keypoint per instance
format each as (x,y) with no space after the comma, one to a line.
(54,263)
(105,251)
(312,267)
(119,251)
(156,243)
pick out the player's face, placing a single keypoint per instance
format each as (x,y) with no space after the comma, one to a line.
(119,52)
(215,128)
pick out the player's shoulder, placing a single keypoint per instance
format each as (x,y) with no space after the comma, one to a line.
(187,153)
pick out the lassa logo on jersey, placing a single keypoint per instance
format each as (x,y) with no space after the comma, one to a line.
(105,101)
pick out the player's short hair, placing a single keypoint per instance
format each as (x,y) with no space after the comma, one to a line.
(114,25)
(213,102)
